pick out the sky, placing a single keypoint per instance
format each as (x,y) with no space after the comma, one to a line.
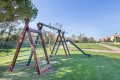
(94,18)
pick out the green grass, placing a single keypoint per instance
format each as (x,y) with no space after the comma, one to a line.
(91,46)
(101,66)
(6,52)
(111,44)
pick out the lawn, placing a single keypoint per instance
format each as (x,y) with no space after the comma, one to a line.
(101,66)
(91,46)
(111,44)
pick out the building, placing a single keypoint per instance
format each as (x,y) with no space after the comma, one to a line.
(109,39)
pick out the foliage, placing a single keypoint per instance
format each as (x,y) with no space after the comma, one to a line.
(11,10)
(92,40)
(118,39)
(73,37)
(85,39)
(49,37)
(82,39)
(10,33)
(76,41)
(9,37)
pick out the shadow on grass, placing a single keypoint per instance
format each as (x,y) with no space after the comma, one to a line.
(4,53)
(24,50)
(76,67)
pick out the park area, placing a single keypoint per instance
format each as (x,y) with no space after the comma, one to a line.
(100,66)
(59,40)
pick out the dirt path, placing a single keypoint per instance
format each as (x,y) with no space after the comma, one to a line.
(113,49)
(107,51)
(110,47)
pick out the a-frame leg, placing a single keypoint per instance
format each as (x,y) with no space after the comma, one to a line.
(34,52)
(63,46)
(57,47)
(65,42)
(43,42)
(30,57)
(19,45)
(60,43)
(55,43)
(59,36)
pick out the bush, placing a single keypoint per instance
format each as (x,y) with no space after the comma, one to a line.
(118,40)
(76,41)
(8,44)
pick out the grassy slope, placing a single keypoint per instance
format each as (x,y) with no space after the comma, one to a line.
(91,46)
(101,66)
(112,44)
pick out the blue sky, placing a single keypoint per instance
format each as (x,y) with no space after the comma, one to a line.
(97,18)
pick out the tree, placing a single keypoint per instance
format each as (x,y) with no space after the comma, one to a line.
(14,11)
(80,37)
(73,37)
(52,37)
(49,36)
(118,39)
(45,35)
(85,40)
(92,40)
(7,33)
(11,10)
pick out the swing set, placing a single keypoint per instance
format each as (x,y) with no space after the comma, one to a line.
(60,40)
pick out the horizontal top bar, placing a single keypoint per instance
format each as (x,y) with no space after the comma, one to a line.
(51,27)
(35,31)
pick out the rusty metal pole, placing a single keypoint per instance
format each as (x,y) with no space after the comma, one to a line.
(19,45)
(40,26)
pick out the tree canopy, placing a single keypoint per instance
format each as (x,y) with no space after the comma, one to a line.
(11,10)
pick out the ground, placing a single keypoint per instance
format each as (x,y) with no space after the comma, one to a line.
(111,44)
(101,66)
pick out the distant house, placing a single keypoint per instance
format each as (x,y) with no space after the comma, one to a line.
(112,38)
(109,39)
